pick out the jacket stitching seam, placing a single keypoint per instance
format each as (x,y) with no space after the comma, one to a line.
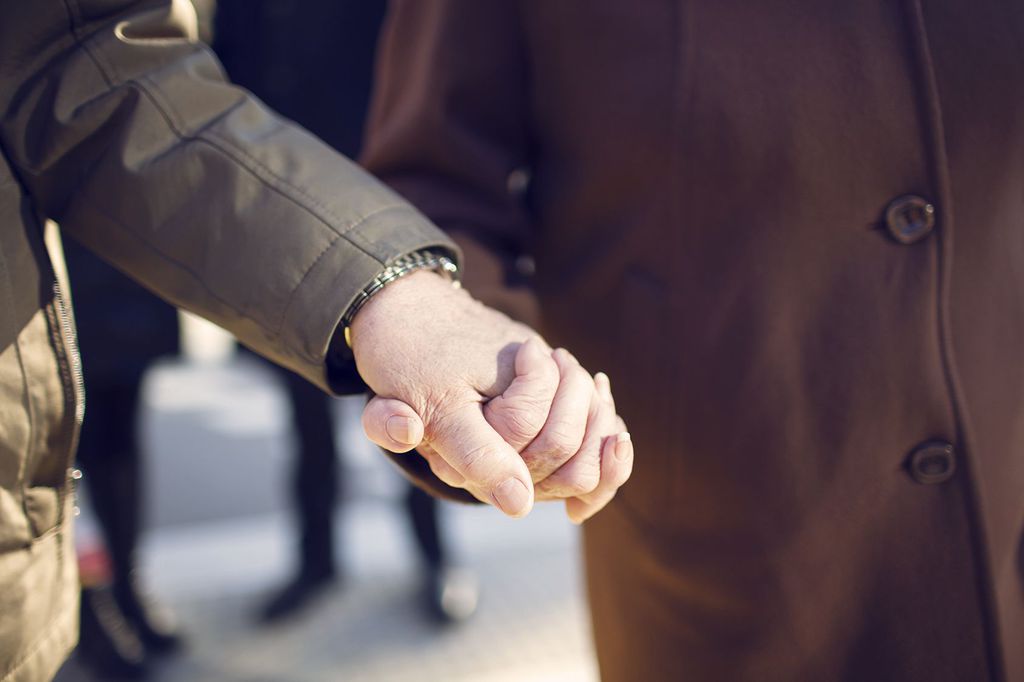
(272,181)
(278,324)
(257,169)
(166,107)
(102,65)
(327,248)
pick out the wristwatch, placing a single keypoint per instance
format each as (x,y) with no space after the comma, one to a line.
(424,259)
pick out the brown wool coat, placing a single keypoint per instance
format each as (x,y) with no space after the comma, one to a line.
(707,212)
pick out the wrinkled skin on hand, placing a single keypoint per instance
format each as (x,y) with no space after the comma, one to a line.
(486,402)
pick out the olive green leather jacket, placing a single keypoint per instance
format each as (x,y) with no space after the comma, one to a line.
(119,126)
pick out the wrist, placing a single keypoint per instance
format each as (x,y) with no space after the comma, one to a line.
(424,260)
(390,310)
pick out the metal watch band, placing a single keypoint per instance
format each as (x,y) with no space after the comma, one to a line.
(425,259)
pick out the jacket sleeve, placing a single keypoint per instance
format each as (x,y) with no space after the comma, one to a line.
(448,129)
(122,128)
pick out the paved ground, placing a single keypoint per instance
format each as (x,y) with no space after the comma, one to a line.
(221,539)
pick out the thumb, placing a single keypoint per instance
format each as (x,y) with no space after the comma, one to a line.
(465,440)
(519,413)
(392,424)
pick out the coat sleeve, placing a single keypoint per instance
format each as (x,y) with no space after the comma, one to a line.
(448,130)
(122,128)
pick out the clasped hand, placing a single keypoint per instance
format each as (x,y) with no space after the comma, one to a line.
(486,401)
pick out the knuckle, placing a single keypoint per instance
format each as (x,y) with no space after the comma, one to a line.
(535,461)
(544,496)
(561,439)
(547,490)
(562,450)
(585,483)
(440,415)
(552,454)
(523,421)
(477,462)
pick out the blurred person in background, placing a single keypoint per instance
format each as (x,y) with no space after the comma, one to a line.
(792,232)
(117,124)
(122,329)
(278,51)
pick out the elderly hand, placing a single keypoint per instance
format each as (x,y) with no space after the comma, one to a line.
(472,390)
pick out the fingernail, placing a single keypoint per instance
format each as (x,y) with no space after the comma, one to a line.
(512,497)
(400,429)
(623,446)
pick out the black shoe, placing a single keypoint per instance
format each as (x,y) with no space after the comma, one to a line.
(298,594)
(108,645)
(155,626)
(451,595)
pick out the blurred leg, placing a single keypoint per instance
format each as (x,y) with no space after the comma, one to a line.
(119,627)
(117,474)
(450,594)
(422,509)
(109,457)
(315,481)
(108,644)
(315,477)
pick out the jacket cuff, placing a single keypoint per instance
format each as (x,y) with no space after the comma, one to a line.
(312,322)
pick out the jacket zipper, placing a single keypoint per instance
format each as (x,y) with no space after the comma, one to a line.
(71,368)
(74,359)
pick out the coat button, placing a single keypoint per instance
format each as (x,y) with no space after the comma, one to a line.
(909,219)
(932,462)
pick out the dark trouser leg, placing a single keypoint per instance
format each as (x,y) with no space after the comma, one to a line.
(108,644)
(314,494)
(316,474)
(450,595)
(109,454)
(423,515)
